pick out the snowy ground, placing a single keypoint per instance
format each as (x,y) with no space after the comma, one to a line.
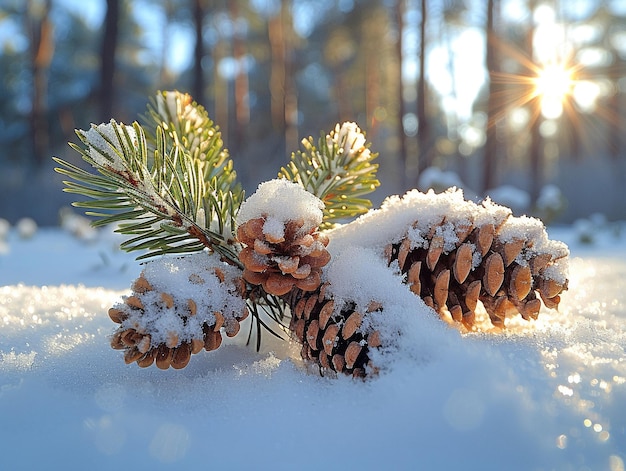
(551,395)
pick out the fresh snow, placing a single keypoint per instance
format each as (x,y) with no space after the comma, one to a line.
(200,278)
(545,395)
(350,140)
(279,201)
(416,214)
(104,146)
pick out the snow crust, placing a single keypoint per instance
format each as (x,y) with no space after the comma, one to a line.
(546,395)
(279,201)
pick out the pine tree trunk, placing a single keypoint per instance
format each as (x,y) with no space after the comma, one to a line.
(536,142)
(242,111)
(400,7)
(491,144)
(423,130)
(284,102)
(107,59)
(198,53)
(42,49)
(168,10)
(372,72)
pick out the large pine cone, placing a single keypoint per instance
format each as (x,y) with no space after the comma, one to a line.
(451,252)
(506,264)
(280,256)
(179,307)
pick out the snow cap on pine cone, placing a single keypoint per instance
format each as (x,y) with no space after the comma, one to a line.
(282,247)
(179,306)
(280,201)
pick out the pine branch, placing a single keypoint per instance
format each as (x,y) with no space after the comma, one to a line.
(187,124)
(163,202)
(338,171)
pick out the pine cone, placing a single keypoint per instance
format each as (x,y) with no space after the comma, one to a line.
(280,256)
(166,329)
(506,263)
(451,252)
(335,340)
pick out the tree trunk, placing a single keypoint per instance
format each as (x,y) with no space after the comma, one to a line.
(277,73)
(107,59)
(164,76)
(423,129)
(284,103)
(615,117)
(42,49)
(372,72)
(242,111)
(491,143)
(536,143)
(401,103)
(198,53)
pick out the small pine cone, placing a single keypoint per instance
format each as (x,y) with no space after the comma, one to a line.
(333,339)
(177,308)
(280,256)
(505,262)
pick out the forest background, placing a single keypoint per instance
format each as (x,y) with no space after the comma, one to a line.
(522,100)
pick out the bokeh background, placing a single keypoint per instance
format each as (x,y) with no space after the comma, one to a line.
(522,100)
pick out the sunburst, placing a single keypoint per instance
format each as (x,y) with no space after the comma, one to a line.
(553,85)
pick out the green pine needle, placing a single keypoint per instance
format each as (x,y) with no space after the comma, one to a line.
(166,197)
(338,171)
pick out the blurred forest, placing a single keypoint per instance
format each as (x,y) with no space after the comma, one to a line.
(522,100)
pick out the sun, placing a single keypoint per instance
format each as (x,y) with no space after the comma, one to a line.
(554,81)
(553,84)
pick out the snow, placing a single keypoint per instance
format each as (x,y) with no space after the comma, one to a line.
(550,394)
(177,281)
(416,214)
(350,140)
(279,201)
(105,148)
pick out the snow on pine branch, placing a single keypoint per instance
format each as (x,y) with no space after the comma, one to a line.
(109,143)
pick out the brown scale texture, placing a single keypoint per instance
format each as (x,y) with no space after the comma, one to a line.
(137,342)
(504,282)
(279,263)
(332,339)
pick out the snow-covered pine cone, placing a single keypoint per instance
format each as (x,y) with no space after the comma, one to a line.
(332,339)
(451,252)
(282,247)
(280,260)
(505,262)
(178,307)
